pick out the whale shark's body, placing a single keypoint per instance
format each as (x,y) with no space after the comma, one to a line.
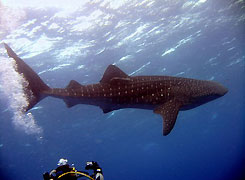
(164,95)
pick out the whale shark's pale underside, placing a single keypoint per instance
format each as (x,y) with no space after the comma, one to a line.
(164,95)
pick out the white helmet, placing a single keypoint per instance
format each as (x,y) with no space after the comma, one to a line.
(62,162)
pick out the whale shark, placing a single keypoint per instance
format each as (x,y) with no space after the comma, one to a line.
(165,95)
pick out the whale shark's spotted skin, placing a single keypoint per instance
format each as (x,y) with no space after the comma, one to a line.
(164,95)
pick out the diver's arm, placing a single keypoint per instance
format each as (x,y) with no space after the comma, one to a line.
(98,174)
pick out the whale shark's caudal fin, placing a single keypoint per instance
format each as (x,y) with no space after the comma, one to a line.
(34,87)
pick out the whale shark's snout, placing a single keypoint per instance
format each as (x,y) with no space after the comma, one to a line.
(220,89)
(225,90)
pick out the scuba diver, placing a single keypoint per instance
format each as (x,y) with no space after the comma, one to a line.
(65,172)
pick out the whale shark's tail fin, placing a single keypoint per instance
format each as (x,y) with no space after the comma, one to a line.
(34,87)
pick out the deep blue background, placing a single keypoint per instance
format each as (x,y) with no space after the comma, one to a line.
(207,143)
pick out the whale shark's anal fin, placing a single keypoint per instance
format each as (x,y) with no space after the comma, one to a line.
(69,102)
(107,109)
(169,112)
(35,86)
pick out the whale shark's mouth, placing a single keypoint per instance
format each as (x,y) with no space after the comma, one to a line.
(13,91)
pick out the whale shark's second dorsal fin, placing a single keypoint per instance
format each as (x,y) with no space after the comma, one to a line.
(73,85)
(111,72)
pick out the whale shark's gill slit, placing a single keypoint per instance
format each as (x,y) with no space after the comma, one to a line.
(15,92)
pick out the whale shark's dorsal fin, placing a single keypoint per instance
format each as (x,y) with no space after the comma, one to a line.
(169,112)
(72,85)
(111,72)
(118,81)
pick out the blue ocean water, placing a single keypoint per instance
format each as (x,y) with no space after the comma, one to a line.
(65,40)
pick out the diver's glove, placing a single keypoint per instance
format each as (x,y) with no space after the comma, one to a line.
(94,166)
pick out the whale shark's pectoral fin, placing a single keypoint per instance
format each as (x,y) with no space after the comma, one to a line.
(169,111)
